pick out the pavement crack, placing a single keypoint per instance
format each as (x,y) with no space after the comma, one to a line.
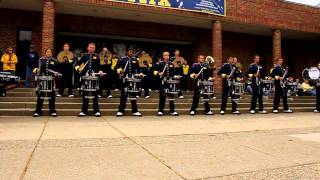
(147,151)
(23,174)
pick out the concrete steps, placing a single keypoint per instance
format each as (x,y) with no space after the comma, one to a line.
(22,102)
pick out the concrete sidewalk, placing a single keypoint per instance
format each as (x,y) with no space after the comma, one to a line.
(283,146)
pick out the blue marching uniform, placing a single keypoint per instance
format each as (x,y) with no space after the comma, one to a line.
(45,64)
(131,69)
(224,73)
(280,92)
(257,91)
(205,75)
(93,66)
(168,73)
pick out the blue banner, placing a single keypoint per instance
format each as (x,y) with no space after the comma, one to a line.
(206,6)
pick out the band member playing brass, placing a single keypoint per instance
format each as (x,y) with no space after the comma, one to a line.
(185,76)
(105,63)
(65,59)
(115,80)
(178,64)
(228,75)
(89,68)
(145,64)
(169,85)
(129,71)
(47,68)
(200,72)
(279,75)
(255,74)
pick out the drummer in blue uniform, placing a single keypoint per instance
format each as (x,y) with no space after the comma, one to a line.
(225,73)
(46,64)
(255,74)
(90,63)
(280,90)
(165,69)
(206,74)
(128,66)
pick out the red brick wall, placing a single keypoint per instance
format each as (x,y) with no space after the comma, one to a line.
(13,20)
(272,13)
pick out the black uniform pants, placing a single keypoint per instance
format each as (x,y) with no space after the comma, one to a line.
(318,98)
(85,101)
(123,101)
(105,84)
(52,101)
(257,93)
(225,95)
(195,101)
(162,101)
(146,85)
(280,93)
(66,80)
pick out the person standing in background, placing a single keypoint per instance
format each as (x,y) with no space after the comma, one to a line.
(32,61)
(9,61)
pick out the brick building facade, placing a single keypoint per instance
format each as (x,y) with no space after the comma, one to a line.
(271,28)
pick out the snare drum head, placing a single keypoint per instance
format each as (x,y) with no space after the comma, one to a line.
(266,81)
(89,78)
(291,84)
(237,83)
(208,83)
(171,81)
(45,78)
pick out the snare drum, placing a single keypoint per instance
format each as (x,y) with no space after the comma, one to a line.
(45,84)
(171,86)
(237,88)
(206,87)
(267,86)
(292,88)
(132,84)
(90,83)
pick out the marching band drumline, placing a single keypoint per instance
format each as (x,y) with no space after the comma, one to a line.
(133,70)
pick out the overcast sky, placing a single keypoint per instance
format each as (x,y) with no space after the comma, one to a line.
(309,2)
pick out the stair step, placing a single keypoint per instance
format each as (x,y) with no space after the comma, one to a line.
(112,112)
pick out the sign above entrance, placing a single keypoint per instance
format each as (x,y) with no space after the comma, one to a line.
(216,7)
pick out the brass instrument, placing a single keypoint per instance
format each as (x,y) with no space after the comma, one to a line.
(105,58)
(210,61)
(82,66)
(65,56)
(145,60)
(178,62)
